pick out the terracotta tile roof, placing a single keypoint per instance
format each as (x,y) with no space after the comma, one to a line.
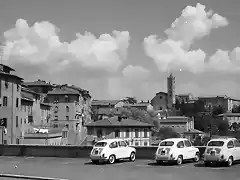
(229,114)
(106,111)
(61,92)
(175,119)
(10,75)
(104,102)
(114,122)
(137,105)
(27,97)
(37,83)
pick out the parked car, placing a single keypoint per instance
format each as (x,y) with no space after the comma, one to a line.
(222,151)
(176,150)
(110,150)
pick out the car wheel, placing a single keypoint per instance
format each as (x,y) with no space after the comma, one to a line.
(132,156)
(179,160)
(229,161)
(207,163)
(95,161)
(197,157)
(159,162)
(112,159)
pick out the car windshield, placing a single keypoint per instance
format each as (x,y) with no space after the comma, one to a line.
(100,144)
(215,143)
(167,143)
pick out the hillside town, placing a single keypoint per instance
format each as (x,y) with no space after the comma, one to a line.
(42,113)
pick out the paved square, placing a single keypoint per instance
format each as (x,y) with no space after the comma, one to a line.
(82,169)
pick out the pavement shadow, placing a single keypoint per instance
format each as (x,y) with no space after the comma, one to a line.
(162,164)
(215,165)
(105,163)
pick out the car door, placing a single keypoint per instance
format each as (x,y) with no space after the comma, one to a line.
(114,148)
(237,147)
(189,149)
(124,149)
(182,150)
(232,149)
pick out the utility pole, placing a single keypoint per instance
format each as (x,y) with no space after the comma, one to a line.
(1,51)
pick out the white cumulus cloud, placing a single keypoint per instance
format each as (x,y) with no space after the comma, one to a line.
(175,52)
(40,44)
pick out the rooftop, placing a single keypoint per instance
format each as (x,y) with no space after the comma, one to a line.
(104,102)
(114,122)
(229,114)
(38,83)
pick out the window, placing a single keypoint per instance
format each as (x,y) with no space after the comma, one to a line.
(187,144)
(180,144)
(145,133)
(123,144)
(127,133)
(5,100)
(67,118)
(113,144)
(30,119)
(16,121)
(160,97)
(66,98)
(6,83)
(117,133)
(216,143)
(230,144)
(55,125)
(145,143)
(136,143)
(100,144)
(3,122)
(17,141)
(17,87)
(21,121)
(167,143)
(56,109)
(67,108)
(136,133)
(56,98)
(99,133)
(55,118)
(160,108)
(17,102)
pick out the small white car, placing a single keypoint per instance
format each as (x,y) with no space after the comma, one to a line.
(222,150)
(110,150)
(176,150)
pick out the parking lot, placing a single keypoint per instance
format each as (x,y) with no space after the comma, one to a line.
(82,169)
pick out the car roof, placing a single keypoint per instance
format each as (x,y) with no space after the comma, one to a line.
(175,139)
(223,139)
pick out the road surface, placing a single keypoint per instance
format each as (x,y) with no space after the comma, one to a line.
(82,169)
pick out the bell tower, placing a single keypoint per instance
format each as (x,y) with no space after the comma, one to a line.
(171,91)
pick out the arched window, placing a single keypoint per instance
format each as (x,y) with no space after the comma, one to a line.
(67,108)
(56,109)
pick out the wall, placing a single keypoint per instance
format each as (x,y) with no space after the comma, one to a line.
(159,102)
(110,133)
(68,151)
(11,112)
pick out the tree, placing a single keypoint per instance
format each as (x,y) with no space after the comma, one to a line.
(236,109)
(217,110)
(166,132)
(130,100)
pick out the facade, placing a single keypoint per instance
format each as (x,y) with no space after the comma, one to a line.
(141,106)
(226,102)
(230,117)
(39,86)
(10,104)
(185,98)
(160,101)
(71,108)
(136,132)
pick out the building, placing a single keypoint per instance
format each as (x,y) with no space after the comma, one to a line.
(226,102)
(185,98)
(39,86)
(10,103)
(97,104)
(163,100)
(160,101)
(171,91)
(181,124)
(71,108)
(230,117)
(141,106)
(136,132)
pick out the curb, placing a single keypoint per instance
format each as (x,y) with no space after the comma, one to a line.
(29,177)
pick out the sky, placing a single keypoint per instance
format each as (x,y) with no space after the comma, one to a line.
(125,48)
